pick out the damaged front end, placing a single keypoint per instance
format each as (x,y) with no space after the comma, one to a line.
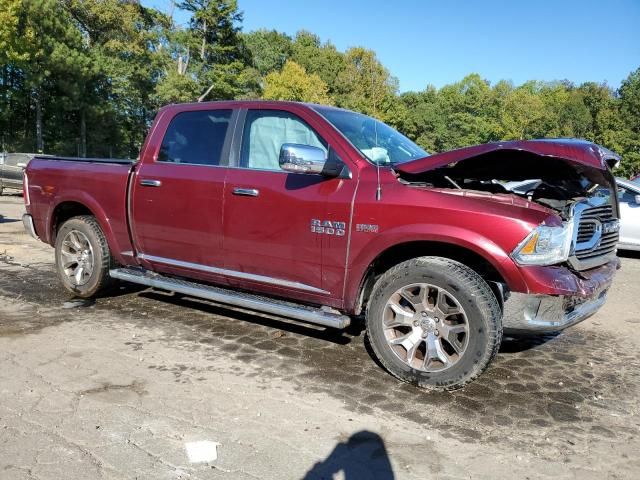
(572,181)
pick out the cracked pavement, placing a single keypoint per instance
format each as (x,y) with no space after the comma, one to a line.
(116,387)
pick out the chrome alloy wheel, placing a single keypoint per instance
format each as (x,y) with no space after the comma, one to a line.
(426,327)
(76,257)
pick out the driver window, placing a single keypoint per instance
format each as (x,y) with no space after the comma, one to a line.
(265,131)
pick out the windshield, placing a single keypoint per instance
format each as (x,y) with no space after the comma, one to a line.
(378,142)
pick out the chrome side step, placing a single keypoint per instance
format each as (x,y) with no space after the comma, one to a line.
(318,316)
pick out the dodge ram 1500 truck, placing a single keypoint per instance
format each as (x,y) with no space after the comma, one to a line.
(324,215)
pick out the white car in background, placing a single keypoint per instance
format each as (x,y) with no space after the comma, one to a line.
(629,198)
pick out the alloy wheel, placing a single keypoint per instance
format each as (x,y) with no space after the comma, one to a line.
(77,258)
(426,327)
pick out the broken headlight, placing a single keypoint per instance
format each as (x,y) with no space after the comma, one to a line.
(545,245)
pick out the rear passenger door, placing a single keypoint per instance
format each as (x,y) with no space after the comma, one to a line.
(270,242)
(178,192)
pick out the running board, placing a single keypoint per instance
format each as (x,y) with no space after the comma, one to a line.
(318,316)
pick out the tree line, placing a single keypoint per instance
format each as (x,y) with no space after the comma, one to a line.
(86,77)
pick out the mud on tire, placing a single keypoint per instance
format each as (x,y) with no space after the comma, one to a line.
(434,322)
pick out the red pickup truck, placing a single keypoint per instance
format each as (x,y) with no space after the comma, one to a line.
(322,215)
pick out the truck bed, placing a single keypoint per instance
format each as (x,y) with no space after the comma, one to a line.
(60,186)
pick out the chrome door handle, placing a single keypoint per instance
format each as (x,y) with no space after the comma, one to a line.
(150,183)
(246,192)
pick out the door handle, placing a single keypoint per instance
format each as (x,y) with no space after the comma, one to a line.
(246,192)
(150,183)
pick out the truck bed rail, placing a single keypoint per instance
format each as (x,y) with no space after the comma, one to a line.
(122,161)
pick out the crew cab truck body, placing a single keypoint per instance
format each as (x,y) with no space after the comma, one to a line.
(321,214)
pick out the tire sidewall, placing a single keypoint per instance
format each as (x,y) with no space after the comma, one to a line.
(89,288)
(479,341)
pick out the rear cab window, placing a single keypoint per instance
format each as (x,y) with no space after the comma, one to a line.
(196,138)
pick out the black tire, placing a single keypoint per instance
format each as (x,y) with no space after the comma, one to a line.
(99,279)
(481,308)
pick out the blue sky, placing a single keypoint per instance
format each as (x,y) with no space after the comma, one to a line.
(438,42)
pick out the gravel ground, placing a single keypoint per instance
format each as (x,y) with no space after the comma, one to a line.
(122,387)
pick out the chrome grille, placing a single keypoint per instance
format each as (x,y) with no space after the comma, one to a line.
(596,234)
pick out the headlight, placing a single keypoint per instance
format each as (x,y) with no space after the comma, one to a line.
(545,245)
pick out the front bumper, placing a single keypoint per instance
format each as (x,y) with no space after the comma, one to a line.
(541,313)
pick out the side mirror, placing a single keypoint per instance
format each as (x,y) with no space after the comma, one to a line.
(22,165)
(302,158)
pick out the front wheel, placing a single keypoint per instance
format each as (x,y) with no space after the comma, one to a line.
(83,258)
(434,322)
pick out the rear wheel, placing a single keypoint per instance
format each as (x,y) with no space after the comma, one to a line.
(434,322)
(83,258)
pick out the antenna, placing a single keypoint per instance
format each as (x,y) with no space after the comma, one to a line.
(202,97)
(378,189)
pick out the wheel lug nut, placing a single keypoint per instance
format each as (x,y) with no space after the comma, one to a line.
(436,333)
(437,319)
(424,314)
(415,323)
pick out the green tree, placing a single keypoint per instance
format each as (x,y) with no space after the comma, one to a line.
(466,107)
(269,49)
(629,94)
(217,57)
(45,53)
(365,85)
(522,114)
(124,42)
(293,83)
(322,59)
(424,121)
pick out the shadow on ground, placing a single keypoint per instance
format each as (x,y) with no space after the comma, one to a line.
(629,253)
(362,455)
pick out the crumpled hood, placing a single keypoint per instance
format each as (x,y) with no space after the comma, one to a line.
(575,151)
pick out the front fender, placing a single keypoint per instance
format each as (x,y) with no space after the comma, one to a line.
(440,233)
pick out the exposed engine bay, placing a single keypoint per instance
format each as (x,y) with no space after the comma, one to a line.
(553,182)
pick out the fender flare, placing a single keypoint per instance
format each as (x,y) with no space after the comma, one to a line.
(86,200)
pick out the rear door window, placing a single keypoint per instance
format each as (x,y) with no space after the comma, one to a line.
(196,138)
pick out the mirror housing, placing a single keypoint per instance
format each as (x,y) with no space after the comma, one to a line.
(299,158)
